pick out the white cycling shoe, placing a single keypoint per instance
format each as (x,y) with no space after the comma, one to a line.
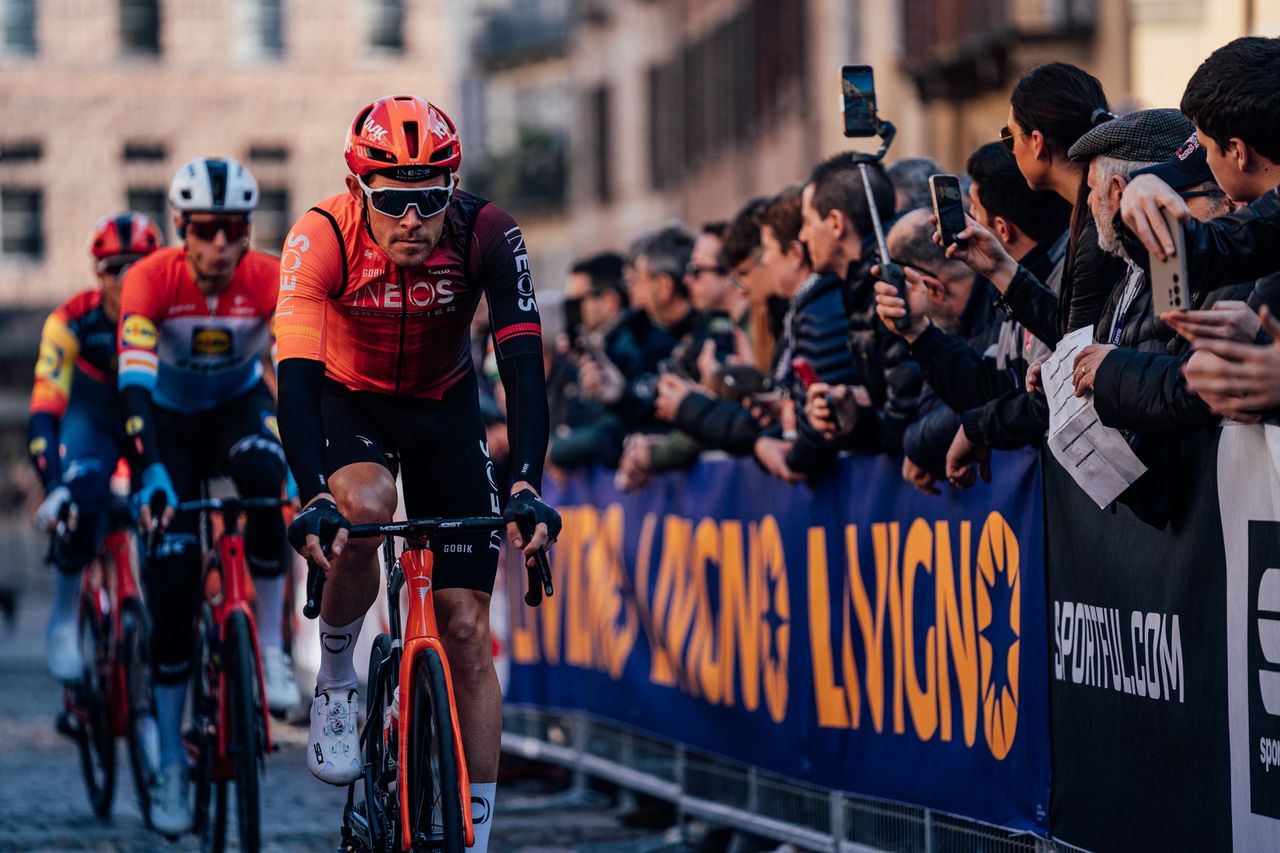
(171,801)
(277,675)
(333,749)
(62,651)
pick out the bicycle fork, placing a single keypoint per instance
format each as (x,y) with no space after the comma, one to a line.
(420,634)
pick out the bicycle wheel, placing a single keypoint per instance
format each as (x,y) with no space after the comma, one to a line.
(245,737)
(141,736)
(97,746)
(203,737)
(381,810)
(435,805)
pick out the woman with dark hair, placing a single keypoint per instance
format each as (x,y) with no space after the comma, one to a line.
(1050,108)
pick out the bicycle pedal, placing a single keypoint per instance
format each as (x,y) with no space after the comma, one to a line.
(68,726)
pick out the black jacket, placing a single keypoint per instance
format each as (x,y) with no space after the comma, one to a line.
(960,376)
(883,365)
(1142,389)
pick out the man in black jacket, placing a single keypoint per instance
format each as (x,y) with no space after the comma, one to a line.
(1234,100)
(839,236)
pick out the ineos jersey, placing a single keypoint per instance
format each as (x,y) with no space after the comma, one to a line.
(192,352)
(402,331)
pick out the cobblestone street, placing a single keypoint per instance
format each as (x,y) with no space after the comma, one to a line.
(43,805)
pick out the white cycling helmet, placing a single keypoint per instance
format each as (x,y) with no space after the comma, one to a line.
(213,185)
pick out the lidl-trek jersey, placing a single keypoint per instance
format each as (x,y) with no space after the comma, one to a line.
(405,332)
(78,341)
(194,352)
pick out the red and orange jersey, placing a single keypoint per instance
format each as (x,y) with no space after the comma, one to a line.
(191,351)
(378,327)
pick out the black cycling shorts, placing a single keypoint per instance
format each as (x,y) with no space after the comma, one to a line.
(440,450)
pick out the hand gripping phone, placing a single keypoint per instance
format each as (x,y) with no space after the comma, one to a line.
(948,207)
(1169,290)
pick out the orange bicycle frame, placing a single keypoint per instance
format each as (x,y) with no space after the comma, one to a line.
(420,633)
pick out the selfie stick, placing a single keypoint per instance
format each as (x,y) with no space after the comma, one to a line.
(890,272)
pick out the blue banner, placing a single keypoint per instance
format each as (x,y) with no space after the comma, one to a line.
(858,635)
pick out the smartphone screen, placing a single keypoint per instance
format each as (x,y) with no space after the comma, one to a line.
(948,206)
(858,89)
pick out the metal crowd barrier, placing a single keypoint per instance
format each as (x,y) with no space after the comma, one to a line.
(727,793)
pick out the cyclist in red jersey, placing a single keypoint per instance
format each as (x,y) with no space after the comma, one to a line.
(195,322)
(75,440)
(378,286)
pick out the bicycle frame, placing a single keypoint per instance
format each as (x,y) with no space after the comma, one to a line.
(118,581)
(414,568)
(233,596)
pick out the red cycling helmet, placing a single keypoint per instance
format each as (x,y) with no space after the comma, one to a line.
(405,134)
(127,234)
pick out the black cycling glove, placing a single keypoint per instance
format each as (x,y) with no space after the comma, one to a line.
(528,510)
(321,518)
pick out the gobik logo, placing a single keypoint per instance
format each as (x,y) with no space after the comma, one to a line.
(1264,667)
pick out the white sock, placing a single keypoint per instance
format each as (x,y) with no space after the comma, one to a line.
(66,592)
(482,796)
(269,610)
(169,701)
(337,649)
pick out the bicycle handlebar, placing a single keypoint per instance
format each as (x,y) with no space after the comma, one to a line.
(540,583)
(233,504)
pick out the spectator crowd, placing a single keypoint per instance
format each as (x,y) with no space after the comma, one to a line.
(769,335)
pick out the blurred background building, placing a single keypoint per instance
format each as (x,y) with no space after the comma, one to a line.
(589,119)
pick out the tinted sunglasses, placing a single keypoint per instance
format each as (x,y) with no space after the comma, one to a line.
(117,265)
(235,227)
(396,201)
(1007,136)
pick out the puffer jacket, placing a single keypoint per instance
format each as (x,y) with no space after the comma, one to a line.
(883,365)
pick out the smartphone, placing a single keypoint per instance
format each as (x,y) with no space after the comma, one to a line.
(804,371)
(1169,291)
(573,324)
(948,207)
(858,91)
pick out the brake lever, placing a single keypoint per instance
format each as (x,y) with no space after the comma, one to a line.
(539,579)
(315,589)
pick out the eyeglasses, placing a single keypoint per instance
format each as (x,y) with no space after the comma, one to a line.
(1007,136)
(1202,194)
(693,270)
(235,227)
(116,266)
(396,201)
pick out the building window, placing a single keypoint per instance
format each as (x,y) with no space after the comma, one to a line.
(386,25)
(21,223)
(152,202)
(18,17)
(144,152)
(599,122)
(261,26)
(271,220)
(268,154)
(140,27)
(21,151)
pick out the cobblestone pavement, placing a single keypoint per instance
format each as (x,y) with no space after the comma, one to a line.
(43,805)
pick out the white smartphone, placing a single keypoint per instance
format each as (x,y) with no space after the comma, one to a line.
(1169,286)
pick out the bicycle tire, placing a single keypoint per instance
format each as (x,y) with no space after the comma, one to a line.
(210,828)
(433,782)
(96,743)
(140,726)
(245,736)
(381,809)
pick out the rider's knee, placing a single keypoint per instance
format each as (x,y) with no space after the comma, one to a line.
(257,467)
(466,627)
(369,500)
